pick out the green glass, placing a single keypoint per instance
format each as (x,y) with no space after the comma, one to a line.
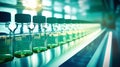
(61,38)
(73,36)
(6,58)
(23,46)
(68,37)
(6,49)
(52,40)
(39,43)
(22,53)
(39,49)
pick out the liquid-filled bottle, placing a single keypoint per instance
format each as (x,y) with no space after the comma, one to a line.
(6,46)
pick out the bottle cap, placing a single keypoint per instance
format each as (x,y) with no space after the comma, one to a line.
(5,16)
(22,18)
(39,19)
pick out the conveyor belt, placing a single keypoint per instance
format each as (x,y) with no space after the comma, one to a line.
(79,48)
(82,58)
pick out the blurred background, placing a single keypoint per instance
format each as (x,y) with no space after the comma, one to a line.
(59,33)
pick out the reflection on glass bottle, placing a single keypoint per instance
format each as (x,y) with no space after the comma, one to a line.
(68,30)
(61,38)
(62,33)
(52,40)
(23,42)
(22,46)
(39,39)
(69,36)
(6,46)
(6,49)
(39,43)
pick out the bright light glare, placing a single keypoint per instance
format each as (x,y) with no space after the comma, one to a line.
(46,2)
(30,12)
(108,51)
(30,3)
(48,56)
(35,60)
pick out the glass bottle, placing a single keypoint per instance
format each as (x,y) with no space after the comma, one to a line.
(74,32)
(62,34)
(68,30)
(52,39)
(6,46)
(40,37)
(23,42)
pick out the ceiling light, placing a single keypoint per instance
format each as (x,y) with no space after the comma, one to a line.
(32,4)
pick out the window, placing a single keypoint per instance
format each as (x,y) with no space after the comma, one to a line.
(74,10)
(47,13)
(57,15)
(47,2)
(57,6)
(67,16)
(73,17)
(67,9)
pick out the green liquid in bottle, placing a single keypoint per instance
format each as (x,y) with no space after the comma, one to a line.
(23,53)
(6,58)
(39,49)
(62,43)
(52,46)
